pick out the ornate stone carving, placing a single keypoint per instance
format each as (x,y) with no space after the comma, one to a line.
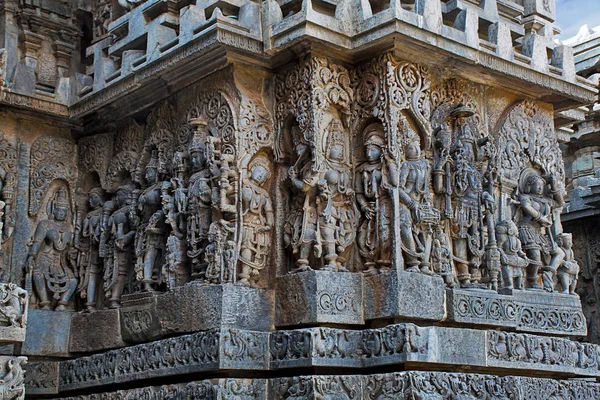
(118,243)
(568,271)
(89,236)
(52,159)
(12,381)
(258,220)
(13,307)
(8,169)
(50,261)
(95,155)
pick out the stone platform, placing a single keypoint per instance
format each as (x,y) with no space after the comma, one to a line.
(400,385)
(401,345)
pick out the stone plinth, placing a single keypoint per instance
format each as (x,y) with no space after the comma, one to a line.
(48,334)
(404,295)
(522,310)
(42,377)
(319,297)
(97,331)
(195,307)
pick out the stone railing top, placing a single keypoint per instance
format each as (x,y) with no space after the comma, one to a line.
(506,37)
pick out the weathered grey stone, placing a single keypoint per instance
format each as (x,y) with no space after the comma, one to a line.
(13,317)
(522,310)
(403,295)
(48,334)
(41,377)
(97,331)
(195,307)
(319,297)
(12,374)
(214,350)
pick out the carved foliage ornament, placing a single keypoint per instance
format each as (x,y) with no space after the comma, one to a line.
(95,154)
(51,158)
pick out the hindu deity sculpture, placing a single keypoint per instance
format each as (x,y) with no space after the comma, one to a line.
(258,219)
(200,196)
(336,207)
(568,271)
(300,230)
(441,257)
(92,228)
(121,227)
(151,234)
(539,197)
(50,256)
(373,181)
(416,213)
(459,180)
(512,257)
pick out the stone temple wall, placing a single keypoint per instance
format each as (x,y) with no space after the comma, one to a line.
(291,200)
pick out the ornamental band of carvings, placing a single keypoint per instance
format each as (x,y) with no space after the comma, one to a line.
(399,385)
(372,168)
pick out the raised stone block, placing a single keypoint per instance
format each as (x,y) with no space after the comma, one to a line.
(319,297)
(42,378)
(404,295)
(195,307)
(521,310)
(97,331)
(48,334)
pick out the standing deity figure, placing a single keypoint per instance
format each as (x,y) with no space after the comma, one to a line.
(373,182)
(121,226)
(219,254)
(416,214)
(441,257)
(90,238)
(512,257)
(173,205)
(336,205)
(537,226)
(258,219)
(568,271)
(200,199)
(150,236)
(458,179)
(49,260)
(300,230)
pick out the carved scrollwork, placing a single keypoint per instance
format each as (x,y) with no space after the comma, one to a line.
(51,158)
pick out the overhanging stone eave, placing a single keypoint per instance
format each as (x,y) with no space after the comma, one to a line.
(418,45)
(175,70)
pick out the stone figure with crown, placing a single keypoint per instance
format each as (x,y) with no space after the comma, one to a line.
(50,259)
(458,178)
(258,220)
(539,197)
(200,198)
(89,236)
(336,207)
(121,229)
(416,213)
(373,182)
(151,233)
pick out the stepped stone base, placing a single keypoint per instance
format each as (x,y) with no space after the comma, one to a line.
(48,334)
(97,331)
(406,345)
(400,385)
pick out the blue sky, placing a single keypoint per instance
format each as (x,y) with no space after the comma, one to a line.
(571,14)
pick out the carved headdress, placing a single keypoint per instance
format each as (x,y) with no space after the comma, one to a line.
(200,127)
(373,135)
(261,160)
(153,162)
(336,136)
